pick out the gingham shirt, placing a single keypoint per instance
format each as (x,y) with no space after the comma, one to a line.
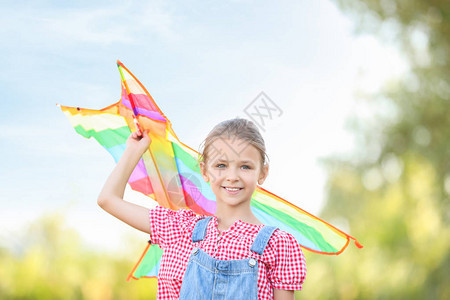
(282,265)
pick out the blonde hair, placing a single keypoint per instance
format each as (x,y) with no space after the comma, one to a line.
(235,128)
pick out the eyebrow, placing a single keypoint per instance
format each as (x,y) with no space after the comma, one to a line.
(246,161)
(242,161)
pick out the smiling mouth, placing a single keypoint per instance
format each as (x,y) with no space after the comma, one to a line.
(232,189)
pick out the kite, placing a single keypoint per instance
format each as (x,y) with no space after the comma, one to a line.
(169,173)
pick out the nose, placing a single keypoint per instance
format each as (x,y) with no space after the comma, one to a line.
(232,175)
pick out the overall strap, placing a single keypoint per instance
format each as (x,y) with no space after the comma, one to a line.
(262,238)
(199,232)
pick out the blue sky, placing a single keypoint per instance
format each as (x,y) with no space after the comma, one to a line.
(203,62)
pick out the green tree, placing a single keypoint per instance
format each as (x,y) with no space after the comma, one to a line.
(394,192)
(48,261)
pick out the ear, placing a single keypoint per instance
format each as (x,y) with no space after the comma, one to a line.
(263,174)
(204,172)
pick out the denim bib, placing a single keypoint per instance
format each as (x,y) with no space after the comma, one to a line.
(209,278)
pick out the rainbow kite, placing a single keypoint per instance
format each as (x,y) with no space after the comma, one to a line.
(169,173)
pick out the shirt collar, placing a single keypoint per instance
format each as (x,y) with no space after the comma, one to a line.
(238,226)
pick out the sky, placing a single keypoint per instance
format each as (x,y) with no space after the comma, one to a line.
(203,62)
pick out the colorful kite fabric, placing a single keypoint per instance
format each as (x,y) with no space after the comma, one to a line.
(170,174)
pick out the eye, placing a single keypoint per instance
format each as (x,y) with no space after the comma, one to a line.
(220,165)
(246,167)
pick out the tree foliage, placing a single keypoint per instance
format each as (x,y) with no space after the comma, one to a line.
(48,261)
(393,194)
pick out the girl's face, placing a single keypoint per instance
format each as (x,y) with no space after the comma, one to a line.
(233,169)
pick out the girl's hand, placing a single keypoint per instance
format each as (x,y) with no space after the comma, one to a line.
(139,142)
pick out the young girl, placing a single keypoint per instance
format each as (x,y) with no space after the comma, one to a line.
(230,255)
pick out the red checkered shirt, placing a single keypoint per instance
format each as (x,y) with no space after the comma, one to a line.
(282,265)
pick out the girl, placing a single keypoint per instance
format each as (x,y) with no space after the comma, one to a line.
(230,255)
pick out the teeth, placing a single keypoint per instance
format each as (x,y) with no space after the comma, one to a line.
(232,189)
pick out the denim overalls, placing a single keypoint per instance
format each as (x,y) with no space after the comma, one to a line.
(210,278)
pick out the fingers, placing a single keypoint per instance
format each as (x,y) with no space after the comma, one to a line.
(146,137)
(138,135)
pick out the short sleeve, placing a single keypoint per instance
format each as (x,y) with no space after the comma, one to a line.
(168,226)
(288,268)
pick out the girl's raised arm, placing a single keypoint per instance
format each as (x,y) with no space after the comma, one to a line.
(111,196)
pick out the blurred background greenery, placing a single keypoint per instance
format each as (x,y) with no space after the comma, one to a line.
(392,193)
(48,261)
